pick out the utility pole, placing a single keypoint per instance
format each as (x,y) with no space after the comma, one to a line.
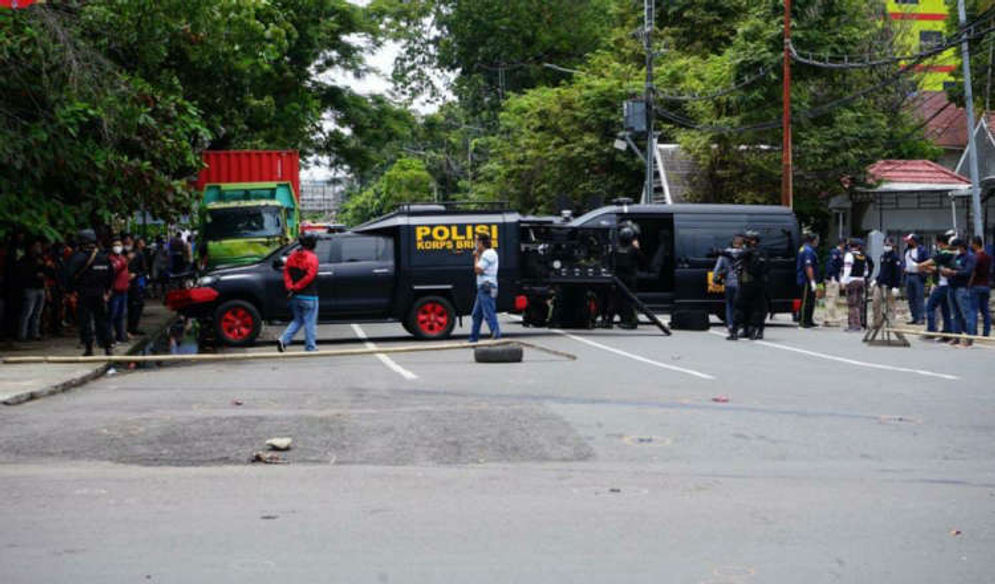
(787,187)
(972,153)
(650,138)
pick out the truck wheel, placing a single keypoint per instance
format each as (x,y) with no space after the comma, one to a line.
(431,318)
(499,354)
(237,323)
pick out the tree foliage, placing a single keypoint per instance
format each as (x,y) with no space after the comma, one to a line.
(407,181)
(106,104)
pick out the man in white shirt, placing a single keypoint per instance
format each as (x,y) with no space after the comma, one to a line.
(485,266)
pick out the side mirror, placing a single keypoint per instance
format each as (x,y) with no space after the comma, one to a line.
(279,262)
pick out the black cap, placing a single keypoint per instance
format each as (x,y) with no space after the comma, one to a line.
(87,236)
(957,242)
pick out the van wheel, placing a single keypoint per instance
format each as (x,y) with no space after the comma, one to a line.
(432,318)
(237,323)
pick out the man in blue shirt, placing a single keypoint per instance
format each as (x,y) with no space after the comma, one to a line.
(806,278)
(915,278)
(885,290)
(959,276)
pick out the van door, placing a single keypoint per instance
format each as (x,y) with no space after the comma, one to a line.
(698,238)
(363,281)
(655,284)
(779,238)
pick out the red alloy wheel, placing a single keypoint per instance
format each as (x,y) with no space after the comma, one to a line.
(432,318)
(237,323)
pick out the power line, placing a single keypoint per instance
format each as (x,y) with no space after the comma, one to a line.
(854,62)
(764,70)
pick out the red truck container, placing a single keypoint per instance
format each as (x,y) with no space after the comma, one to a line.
(245,166)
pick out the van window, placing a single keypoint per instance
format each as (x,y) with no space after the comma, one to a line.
(777,241)
(606,220)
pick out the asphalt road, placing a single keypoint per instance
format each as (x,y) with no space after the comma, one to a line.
(830,462)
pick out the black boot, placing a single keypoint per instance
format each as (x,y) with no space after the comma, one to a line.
(108,351)
(89,351)
(755,335)
(733,335)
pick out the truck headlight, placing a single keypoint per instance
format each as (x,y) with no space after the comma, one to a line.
(207,281)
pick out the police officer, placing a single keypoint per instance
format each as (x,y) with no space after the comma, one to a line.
(90,275)
(856,270)
(806,278)
(627,256)
(885,287)
(751,300)
(834,270)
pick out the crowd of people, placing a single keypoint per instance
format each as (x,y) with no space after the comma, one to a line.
(957,274)
(96,286)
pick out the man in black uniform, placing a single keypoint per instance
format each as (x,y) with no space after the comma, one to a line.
(751,299)
(90,275)
(627,257)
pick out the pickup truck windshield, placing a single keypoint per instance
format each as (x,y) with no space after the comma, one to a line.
(244,222)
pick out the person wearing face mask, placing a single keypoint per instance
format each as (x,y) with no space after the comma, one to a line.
(856,269)
(138,275)
(885,290)
(119,291)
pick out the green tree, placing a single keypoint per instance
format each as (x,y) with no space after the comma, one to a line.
(407,181)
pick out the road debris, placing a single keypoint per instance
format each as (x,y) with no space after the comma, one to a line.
(237,402)
(721,399)
(267,458)
(956,532)
(279,443)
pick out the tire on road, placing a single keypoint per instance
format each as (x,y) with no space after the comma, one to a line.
(237,323)
(499,354)
(431,318)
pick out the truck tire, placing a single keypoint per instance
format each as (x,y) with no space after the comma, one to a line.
(431,318)
(237,323)
(499,354)
(689,320)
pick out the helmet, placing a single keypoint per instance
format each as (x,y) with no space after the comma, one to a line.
(87,236)
(308,240)
(752,235)
(626,235)
(856,242)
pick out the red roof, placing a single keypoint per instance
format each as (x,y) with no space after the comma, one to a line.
(913,171)
(946,124)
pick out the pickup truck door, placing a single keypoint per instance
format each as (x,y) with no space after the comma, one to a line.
(363,280)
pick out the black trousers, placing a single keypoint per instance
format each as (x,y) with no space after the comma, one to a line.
(622,304)
(136,304)
(751,306)
(808,306)
(93,316)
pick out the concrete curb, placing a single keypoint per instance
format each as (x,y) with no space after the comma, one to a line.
(79,380)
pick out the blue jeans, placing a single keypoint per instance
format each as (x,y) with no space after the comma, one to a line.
(484,309)
(914,289)
(963,316)
(305,310)
(980,298)
(731,305)
(938,298)
(119,311)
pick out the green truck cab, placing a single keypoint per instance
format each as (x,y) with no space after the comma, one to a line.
(244,222)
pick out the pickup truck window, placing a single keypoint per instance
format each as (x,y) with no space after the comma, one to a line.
(361,249)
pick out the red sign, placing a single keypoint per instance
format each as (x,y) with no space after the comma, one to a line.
(19,3)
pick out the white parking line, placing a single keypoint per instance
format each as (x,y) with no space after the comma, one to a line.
(849,361)
(698,374)
(390,363)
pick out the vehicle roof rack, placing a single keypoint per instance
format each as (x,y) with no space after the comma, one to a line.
(452,207)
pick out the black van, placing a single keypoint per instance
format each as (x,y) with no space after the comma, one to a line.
(679,243)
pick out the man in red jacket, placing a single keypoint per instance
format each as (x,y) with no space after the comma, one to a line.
(299,278)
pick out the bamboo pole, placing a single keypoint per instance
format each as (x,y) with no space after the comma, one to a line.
(936,334)
(276,355)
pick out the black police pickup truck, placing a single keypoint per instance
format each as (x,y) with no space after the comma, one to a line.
(413,266)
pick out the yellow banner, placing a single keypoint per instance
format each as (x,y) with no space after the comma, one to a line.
(452,237)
